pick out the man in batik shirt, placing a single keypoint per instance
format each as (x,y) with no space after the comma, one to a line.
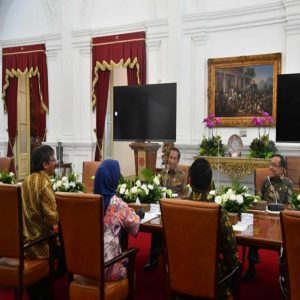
(200,179)
(276,188)
(173,178)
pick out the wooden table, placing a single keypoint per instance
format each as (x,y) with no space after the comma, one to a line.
(265,232)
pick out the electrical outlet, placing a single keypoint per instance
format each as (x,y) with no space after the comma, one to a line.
(243,133)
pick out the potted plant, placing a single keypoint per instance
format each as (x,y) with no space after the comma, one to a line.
(7,177)
(262,147)
(69,183)
(235,199)
(211,146)
(295,202)
(147,190)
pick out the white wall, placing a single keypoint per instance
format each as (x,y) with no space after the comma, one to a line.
(181,36)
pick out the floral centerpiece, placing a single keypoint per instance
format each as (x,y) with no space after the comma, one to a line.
(7,177)
(295,201)
(262,147)
(148,190)
(234,199)
(212,146)
(69,183)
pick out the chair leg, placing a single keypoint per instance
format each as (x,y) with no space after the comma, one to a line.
(18,294)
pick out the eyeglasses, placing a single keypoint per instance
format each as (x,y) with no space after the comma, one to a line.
(274,165)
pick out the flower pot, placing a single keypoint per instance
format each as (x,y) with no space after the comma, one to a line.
(233,217)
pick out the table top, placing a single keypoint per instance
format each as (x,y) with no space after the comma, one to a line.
(264,233)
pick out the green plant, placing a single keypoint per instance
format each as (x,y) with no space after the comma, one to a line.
(262,147)
(212,146)
(295,202)
(147,190)
(234,199)
(7,177)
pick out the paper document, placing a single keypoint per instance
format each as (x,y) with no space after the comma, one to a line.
(240,226)
(148,217)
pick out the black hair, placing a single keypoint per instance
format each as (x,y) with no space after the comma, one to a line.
(40,155)
(177,150)
(282,161)
(200,175)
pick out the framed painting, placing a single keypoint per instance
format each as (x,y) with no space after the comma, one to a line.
(242,87)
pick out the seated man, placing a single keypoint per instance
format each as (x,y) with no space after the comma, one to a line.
(175,179)
(275,188)
(200,179)
(40,212)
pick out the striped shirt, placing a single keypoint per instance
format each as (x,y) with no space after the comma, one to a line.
(39,212)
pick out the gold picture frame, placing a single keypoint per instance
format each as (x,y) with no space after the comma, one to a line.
(241,87)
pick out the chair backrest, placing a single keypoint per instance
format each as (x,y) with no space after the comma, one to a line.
(192,245)
(5,164)
(260,175)
(293,170)
(186,170)
(82,231)
(290,226)
(88,170)
(11,228)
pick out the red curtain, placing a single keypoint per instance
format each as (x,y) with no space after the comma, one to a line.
(30,60)
(127,50)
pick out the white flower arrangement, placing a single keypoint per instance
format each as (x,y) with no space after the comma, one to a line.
(236,199)
(69,183)
(7,177)
(296,201)
(147,191)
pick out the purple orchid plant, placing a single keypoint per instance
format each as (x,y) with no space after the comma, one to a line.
(211,121)
(265,121)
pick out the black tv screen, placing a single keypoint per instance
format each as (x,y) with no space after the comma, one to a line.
(288,108)
(145,112)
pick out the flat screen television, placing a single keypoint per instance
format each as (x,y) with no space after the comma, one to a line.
(145,112)
(288,108)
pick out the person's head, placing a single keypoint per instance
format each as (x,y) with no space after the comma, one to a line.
(200,175)
(42,159)
(108,179)
(173,158)
(277,165)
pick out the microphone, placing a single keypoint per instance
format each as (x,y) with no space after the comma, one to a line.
(274,206)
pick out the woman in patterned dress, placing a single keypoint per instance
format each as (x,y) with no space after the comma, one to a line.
(117,216)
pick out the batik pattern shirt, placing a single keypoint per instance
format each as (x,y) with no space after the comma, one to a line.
(228,252)
(174,180)
(39,212)
(118,216)
(280,189)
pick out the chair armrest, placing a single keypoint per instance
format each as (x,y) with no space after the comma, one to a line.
(128,253)
(43,238)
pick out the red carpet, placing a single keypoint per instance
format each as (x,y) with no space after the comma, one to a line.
(150,286)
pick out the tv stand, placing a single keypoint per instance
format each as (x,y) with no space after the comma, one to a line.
(144,155)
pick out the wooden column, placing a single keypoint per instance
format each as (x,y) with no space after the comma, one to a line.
(144,155)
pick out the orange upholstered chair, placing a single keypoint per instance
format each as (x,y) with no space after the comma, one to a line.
(16,272)
(89,169)
(259,176)
(191,230)
(5,164)
(81,223)
(290,227)
(293,170)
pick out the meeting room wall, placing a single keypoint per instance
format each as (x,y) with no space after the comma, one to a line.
(181,37)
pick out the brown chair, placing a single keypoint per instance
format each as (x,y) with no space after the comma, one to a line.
(186,170)
(260,175)
(6,164)
(293,170)
(290,227)
(16,272)
(81,223)
(192,263)
(89,169)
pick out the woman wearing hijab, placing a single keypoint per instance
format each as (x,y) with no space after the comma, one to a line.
(117,216)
